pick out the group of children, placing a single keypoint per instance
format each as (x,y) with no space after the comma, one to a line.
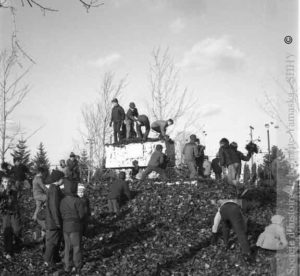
(123,124)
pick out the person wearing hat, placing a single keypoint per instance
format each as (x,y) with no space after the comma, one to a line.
(156,160)
(131,117)
(73,171)
(53,218)
(160,126)
(190,153)
(117,119)
(273,238)
(142,120)
(200,158)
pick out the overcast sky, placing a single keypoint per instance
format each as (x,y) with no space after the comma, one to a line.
(228,52)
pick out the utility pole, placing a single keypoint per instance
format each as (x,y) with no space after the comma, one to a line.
(91,163)
(251,139)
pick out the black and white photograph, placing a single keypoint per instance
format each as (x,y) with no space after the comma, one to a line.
(149,138)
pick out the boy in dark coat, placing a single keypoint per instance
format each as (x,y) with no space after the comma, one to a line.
(117,119)
(131,117)
(73,212)
(117,188)
(200,158)
(156,160)
(9,211)
(143,120)
(53,218)
(135,170)
(215,165)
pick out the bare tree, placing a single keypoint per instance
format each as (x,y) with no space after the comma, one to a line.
(12,94)
(168,100)
(97,116)
(87,4)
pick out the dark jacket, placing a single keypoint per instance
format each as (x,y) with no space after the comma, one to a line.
(131,114)
(72,209)
(190,151)
(156,159)
(53,216)
(243,157)
(117,114)
(160,126)
(143,119)
(117,188)
(215,165)
(228,156)
(19,172)
(9,201)
(73,169)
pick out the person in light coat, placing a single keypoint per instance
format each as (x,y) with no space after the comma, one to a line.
(273,238)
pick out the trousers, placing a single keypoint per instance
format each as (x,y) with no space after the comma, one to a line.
(232,217)
(150,169)
(73,249)
(53,240)
(11,230)
(192,168)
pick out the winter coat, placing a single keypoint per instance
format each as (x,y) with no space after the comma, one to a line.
(72,208)
(190,151)
(156,159)
(19,172)
(131,114)
(143,119)
(8,201)
(117,114)
(228,156)
(53,216)
(160,126)
(38,187)
(215,165)
(73,169)
(273,238)
(117,188)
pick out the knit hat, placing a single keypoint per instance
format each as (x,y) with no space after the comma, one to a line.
(277,219)
(115,100)
(132,105)
(72,154)
(234,144)
(122,175)
(224,140)
(193,137)
(171,121)
(55,176)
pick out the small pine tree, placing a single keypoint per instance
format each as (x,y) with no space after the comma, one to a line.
(21,152)
(41,159)
(247,175)
(84,165)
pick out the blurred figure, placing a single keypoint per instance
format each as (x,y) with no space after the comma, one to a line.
(190,152)
(206,167)
(215,165)
(273,238)
(19,173)
(63,167)
(130,118)
(39,191)
(135,170)
(161,126)
(117,188)
(200,158)
(73,172)
(117,119)
(155,162)
(142,120)
(10,214)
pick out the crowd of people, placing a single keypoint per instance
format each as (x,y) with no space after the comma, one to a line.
(63,213)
